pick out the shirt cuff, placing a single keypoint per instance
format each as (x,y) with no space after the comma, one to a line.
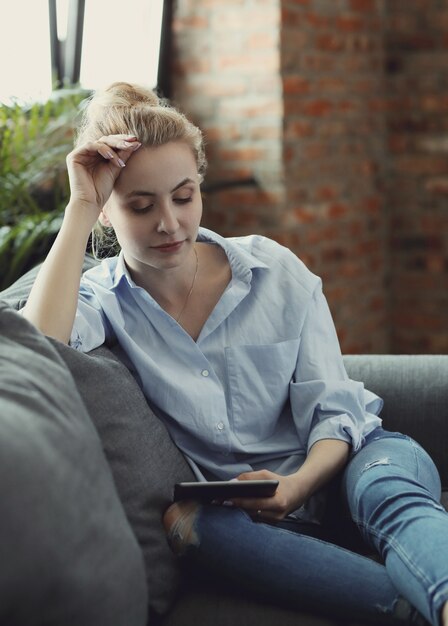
(75,340)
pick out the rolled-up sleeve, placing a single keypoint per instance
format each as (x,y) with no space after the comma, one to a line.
(90,328)
(325,403)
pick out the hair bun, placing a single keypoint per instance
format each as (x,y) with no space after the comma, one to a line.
(126,94)
(120,95)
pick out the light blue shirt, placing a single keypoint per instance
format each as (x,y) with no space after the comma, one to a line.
(263,382)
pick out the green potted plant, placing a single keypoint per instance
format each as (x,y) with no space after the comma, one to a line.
(34,141)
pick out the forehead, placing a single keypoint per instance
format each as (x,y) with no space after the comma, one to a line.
(157,169)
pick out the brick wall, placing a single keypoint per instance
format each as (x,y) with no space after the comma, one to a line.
(226,77)
(334,149)
(417,81)
(304,144)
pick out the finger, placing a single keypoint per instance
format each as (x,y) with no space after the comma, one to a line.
(87,154)
(254,504)
(265,516)
(110,155)
(117,157)
(121,142)
(257,475)
(118,137)
(106,152)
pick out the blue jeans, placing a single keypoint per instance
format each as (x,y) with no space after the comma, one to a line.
(392,490)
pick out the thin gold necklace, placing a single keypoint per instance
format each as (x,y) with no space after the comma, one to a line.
(191,288)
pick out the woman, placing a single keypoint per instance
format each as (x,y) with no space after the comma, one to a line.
(233,343)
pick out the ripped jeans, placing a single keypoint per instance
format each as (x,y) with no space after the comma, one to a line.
(393,492)
(392,489)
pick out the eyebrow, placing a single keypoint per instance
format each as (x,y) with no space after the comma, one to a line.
(151,193)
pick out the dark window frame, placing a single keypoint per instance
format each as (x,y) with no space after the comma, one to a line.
(66,55)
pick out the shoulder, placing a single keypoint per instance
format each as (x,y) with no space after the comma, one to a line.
(102,275)
(281,261)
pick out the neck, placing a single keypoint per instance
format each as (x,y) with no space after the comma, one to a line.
(170,287)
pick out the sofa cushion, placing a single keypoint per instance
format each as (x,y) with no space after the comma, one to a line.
(67,553)
(145,462)
(415,394)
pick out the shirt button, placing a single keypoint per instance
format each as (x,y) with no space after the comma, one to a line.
(220,426)
(205,373)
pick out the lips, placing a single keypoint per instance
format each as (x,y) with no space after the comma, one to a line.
(169,247)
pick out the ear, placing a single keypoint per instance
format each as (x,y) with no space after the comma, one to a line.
(104,220)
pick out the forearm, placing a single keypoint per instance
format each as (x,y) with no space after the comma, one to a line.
(53,300)
(326,458)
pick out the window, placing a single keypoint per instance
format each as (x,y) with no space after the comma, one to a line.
(120,42)
(25,50)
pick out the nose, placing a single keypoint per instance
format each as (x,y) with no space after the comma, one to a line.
(167,220)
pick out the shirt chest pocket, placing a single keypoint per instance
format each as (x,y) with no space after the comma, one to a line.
(258,385)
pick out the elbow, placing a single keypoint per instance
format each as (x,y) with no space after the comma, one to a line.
(48,329)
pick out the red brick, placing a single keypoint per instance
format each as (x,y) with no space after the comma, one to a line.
(315,150)
(318,108)
(351,269)
(373,204)
(365,6)
(222,133)
(304,215)
(246,216)
(347,106)
(331,85)
(438,185)
(291,18)
(189,22)
(350,23)
(435,263)
(295,85)
(330,42)
(419,164)
(191,65)
(264,132)
(295,129)
(327,193)
(317,20)
(319,62)
(262,40)
(338,210)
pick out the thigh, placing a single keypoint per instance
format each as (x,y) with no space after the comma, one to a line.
(291,567)
(308,529)
(397,455)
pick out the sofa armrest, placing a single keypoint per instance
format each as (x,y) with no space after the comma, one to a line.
(415,393)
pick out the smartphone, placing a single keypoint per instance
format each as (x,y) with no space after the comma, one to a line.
(224,490)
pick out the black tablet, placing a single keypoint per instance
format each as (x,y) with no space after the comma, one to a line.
(224,490)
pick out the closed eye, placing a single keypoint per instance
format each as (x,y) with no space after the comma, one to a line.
(183,200)
(144,209)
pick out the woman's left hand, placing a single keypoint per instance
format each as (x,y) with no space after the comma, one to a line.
(290,495)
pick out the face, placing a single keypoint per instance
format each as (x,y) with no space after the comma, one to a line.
(156,207)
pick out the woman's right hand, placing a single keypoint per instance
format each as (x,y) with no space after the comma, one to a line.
(94,167)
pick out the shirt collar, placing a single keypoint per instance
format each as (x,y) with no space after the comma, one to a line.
(121,273)
(241,260)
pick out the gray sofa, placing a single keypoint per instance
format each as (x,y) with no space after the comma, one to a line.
(87,469)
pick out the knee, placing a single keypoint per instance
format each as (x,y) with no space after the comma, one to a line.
(376,486)
(179,522)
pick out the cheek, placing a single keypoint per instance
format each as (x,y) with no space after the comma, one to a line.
(197,214)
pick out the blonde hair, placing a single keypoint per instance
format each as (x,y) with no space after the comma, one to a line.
(128,109)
